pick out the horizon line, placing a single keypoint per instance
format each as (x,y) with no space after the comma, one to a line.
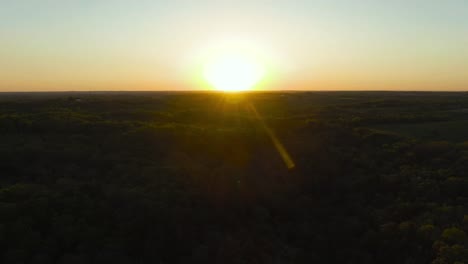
(239,92)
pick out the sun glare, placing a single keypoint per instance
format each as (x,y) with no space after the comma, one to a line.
(233,72)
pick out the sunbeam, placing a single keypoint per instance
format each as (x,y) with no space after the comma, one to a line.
(271,134)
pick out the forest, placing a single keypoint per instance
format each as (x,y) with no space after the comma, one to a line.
(255,177)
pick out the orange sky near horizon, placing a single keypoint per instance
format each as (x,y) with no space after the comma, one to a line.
(106,45)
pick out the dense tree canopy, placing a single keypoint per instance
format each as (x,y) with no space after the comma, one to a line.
(196,178)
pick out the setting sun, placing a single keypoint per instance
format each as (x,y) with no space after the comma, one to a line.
(233,72)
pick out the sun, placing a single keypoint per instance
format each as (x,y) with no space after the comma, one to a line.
(233,72)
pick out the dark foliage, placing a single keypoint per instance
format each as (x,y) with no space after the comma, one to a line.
(196,178)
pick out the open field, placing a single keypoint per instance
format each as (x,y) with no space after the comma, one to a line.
(260,177)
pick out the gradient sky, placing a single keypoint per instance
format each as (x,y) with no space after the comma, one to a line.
(152,45)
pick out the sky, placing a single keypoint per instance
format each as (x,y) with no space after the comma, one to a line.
(56,45)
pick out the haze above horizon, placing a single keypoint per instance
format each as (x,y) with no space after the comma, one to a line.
(163,45)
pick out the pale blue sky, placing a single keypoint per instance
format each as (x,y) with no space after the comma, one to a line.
(106,45)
